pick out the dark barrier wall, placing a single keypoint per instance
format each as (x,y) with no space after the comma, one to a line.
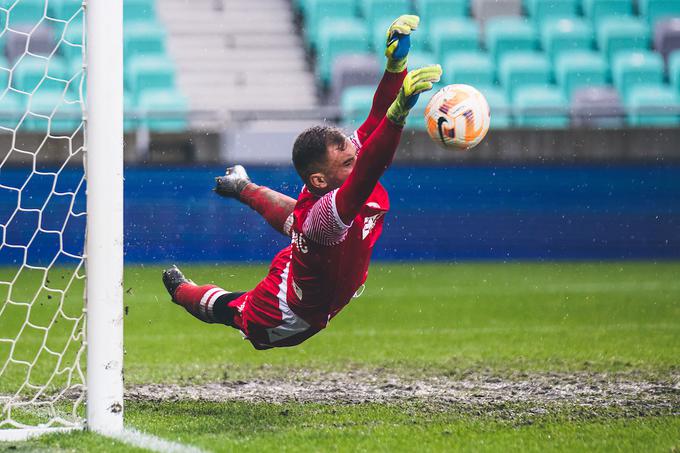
(442,213)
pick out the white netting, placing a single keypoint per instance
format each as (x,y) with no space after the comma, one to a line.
(42,213)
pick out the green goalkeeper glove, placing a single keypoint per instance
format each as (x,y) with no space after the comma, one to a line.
(398,42)
(416,82)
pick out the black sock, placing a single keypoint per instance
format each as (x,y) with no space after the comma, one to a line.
(222,312)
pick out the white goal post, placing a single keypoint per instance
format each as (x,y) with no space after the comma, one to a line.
(61,282)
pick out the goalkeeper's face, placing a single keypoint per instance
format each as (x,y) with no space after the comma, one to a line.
(340,160)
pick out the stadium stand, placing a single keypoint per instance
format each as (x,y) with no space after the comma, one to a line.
(667,36)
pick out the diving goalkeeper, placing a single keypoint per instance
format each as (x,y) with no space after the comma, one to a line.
(333,225)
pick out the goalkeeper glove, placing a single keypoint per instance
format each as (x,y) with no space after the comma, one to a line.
(233,182)
(398,42)
(416,82)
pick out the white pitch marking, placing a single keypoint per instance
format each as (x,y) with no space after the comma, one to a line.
(139,439)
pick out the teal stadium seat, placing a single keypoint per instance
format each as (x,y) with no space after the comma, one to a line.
(71,45)
(355,104)
(433,11)
(630,70)
(377,10)
(12,109)
(541,107)
(454,35)
(163,110)
(579,69)
(542,10)
(139,11)
(520,69)
(320,13)
(338,38)
(655,10)
(674,70)
(596,10)
(565,35)
(149,73)
(143,39)
(51,109)
(64,9)
(499,106)
(34,73)
(508,34)
(23,14)
(616,34)
(418,59)
(471,68)
(653,105)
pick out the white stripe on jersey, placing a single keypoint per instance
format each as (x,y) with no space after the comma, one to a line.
(291,323)
(323,224)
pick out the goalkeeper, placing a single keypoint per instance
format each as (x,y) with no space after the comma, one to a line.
(333,225)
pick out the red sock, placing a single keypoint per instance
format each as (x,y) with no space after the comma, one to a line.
(199,300)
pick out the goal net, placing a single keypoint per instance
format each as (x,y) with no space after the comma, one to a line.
(43,216)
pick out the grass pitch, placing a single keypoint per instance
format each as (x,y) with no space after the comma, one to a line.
(418,321)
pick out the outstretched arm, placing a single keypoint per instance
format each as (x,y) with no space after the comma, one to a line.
(397,45)
(275,207)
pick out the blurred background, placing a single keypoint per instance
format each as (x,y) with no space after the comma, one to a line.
(582,160)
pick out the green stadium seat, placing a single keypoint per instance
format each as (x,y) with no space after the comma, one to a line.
(565,35)
(149,73)
(674,69)
(519,69)
(378,10)
(30,73)
(23,13)
(655,10)
(143,39)
(653,105)
(355,104)
(508,34)
(541,107)
(499,106)
(578,69)
(322,12)
(339,38)
(63,9)
(617,34)
(433,11)
(163,110)
(543,10)
(596,10)
(139,11)
(635,69)
(471,68)
(453,35)
(51,109)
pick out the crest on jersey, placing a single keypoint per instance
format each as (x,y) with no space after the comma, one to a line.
(369,224)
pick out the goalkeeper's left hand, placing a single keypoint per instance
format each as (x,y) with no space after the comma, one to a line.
(416,82)
(398,41)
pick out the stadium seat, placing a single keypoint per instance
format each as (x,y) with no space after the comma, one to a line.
(519,69)
(322,12)
(418,59)
(63,9)
(565,35)
(630,70)
(433,11)
(31,73)
(163,110)
(71,45)
(483,10)
(139,11)
(667,36)
(454,35)
(471,68)
(622,34)
(541,11)
(596,10)
(51,108)
(149,73)
(143,39)
(339,38)
(653,105)
(674,69)
(355,105)
(12,109)
(354,70)
(501,112)
(508,34)
(597,107)
(377,10)
(576,69)
(22,13)
(655,10)
(541,106)
(41,41)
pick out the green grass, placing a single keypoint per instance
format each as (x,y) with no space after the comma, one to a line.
(414,319)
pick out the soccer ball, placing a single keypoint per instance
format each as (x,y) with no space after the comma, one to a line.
(457,116)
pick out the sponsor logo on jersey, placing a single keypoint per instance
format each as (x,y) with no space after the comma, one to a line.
(299,241)
(369,224)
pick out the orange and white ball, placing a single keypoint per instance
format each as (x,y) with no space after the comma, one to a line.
(457,116)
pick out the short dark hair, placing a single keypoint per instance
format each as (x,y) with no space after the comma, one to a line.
(310,148)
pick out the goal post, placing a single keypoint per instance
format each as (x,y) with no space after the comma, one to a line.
(61,217)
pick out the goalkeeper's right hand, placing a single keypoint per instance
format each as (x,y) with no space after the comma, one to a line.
(233,182)
(416,82)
